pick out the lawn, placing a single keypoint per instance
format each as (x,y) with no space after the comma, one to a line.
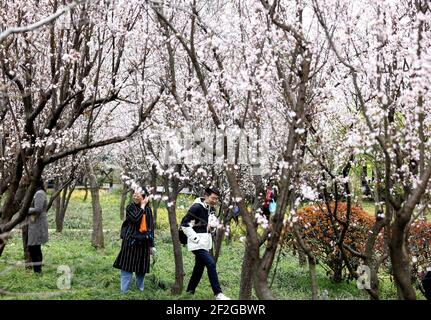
(93,276)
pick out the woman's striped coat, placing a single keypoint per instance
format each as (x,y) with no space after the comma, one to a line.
(134,255)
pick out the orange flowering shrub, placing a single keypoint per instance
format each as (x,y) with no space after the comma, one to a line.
(419,242)
(321,231)
(419,246)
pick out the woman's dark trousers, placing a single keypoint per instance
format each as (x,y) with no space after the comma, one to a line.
(36,258)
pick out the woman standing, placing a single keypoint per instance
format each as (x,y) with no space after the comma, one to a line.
(37,226)
(137,233)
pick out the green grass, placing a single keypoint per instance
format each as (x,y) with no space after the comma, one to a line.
(95,278)
(368,207)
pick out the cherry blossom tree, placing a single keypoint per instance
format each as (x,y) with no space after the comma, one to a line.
(64,97)
(311,96)
(383,59)
(236,80)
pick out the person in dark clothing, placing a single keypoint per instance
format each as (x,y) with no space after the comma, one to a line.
(197,225)
(37,226)
(137,233)
(426,284)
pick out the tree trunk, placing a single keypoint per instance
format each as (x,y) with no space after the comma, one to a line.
(57,204)
(177,287)
(218,242)
(277,221)
(58,225)
(60,210)
(86,189)
(220,233)
(61,204)
(155,203)
(374,282)
(124,193)
(251,254)
(27,258)
(18,201)
(97,240)
(302,258)
(400,261)
(247,270)
(261,284)
(337,268)
(366,190)
(372,261)
(313,277)
(263,291)
(312,261)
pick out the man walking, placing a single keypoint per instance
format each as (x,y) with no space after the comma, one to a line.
(197,225)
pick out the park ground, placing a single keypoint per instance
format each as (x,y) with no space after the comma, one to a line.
(93,276)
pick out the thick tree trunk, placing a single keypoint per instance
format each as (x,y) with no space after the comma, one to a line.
(400,261)
(261,284)
(18,201)
(249,260)
(251,254)
(97,240)
(177,287)
(246,285)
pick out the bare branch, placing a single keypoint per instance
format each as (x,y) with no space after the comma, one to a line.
(142,117)
(40,23)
